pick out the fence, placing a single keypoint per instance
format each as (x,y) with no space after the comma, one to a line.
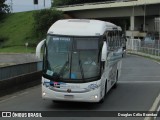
(16,70)
(137,46)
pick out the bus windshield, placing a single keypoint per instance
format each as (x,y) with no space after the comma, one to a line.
(72,58)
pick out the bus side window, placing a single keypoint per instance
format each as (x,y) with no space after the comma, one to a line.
(109,37)
(117,39)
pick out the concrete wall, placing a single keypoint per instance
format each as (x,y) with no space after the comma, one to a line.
(14,84)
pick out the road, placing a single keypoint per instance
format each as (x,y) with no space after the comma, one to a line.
(137,89)
(15,58)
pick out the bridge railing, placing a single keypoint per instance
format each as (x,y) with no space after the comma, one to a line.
(137,46)
(94,3)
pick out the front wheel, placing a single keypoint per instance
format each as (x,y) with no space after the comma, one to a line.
(115,85)
(102,100)
(55,101)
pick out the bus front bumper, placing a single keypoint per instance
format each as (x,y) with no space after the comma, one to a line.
(91,96)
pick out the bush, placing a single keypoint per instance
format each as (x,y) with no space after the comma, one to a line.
(43,19)
(3,40)
(3,9)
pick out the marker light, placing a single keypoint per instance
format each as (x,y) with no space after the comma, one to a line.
(43,93)
(96,96)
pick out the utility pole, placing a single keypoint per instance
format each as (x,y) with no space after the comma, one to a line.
(44,4)
(159,29)
(11,6)
(144,26)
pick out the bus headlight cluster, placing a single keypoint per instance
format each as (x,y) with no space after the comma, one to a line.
(43,93)
(94,97)
(92,86)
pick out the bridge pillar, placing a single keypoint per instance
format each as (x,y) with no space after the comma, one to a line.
(132,23)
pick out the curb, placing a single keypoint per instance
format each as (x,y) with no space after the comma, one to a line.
(145,55)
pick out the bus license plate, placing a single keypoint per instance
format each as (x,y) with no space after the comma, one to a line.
(68,96)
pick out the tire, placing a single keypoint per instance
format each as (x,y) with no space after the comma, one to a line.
(102,100)
(54,101)
(115,85)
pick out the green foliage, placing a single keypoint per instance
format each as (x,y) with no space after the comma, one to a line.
(17,29)
(3,8)
(43,19)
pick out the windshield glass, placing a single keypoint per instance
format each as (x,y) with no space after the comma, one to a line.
(73,58)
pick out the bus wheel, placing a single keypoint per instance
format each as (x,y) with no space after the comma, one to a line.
(55,101)
(115,85)
(102,100)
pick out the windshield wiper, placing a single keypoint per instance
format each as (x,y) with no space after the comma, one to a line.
(80,65)
(56,76)
(63,68)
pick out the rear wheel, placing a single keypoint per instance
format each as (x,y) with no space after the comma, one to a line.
(115,85)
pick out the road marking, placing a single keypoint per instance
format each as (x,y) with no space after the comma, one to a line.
(23,93)
(14,96)
(143,76)
(1,101)
(154,107)
(138,81)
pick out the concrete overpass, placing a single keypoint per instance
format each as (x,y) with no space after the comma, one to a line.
(133,15)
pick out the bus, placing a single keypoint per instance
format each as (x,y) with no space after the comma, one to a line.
(81,60)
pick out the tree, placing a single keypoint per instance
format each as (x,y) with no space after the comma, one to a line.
(43,19)
(3,8)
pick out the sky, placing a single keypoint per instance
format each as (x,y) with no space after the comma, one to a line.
(27,5)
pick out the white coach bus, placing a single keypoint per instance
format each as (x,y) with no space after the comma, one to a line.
(81,60)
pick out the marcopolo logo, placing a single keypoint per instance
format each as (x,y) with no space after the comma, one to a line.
(6,114)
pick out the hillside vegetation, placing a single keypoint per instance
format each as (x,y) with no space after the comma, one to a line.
(26,27)
(15,30)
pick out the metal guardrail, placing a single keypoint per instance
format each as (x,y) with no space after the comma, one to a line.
(137,46)
(94,3)
(150,51)
(16,70)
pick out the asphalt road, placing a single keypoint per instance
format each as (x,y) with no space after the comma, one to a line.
(137,89)
(12,59)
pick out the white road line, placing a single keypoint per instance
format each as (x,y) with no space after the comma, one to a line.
(23,93)
(158,110)
(143,76)
(154,107)
(14,96)
(138,81)
(1,101)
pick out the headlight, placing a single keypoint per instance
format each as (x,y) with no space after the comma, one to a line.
(92,86)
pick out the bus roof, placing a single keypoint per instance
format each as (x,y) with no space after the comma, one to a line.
(81,27)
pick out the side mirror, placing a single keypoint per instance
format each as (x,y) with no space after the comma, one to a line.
(38,49)
(104,52)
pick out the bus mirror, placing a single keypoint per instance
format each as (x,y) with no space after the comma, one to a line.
(104,52)
(38,49)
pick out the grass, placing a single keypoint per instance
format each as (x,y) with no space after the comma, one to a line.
(17,49)
(17,29)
